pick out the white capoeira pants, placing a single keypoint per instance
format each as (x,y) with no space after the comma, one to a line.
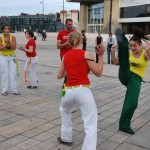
(32,70)
(84,97)
(8,69)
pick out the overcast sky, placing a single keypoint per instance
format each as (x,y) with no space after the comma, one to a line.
(15,7)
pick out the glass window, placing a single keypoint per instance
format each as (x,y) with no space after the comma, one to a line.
(135,11)
(129,27)
(96,13)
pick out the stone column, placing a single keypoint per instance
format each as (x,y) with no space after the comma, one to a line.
(83,19)
(115,15)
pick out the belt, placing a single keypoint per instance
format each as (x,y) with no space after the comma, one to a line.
(77,86)
(7,55)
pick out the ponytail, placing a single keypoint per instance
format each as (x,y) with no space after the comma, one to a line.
(75,38)
(31,33)
(139,35)
(34,37)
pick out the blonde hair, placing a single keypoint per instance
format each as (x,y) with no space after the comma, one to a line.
(75,38)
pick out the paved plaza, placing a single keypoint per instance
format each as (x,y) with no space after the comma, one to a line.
(31,121)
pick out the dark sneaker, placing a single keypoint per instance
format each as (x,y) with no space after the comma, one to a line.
(17,93)
(129,130)
(63,142)
(34,87)
(31,87)
(5,94)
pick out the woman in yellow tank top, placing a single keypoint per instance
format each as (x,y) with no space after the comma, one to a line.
(131,71)
(8,61)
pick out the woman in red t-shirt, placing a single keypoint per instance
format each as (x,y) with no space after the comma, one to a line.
(31,60)
(76,65)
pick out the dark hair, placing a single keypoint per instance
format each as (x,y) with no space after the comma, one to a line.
(68,20)
(110,33)
(82,31)
(31,33)
(139,35)
(5,25)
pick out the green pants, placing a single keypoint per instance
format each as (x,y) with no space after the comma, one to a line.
(133,83)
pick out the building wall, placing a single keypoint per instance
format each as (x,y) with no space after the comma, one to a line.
(83,19)
(135,14)
(106,16)
(127,23)
(72,14)
(63,16)
(115,16)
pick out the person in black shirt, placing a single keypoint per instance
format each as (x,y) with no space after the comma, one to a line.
(44,35)
(98,42)
(84,39)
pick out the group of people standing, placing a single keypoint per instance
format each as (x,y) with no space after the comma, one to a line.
(109,43)
(76,64)
(98,42)
(9,63)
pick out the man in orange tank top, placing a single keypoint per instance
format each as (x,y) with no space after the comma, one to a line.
(63,39)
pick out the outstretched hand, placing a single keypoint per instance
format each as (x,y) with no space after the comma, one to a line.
(21,48)
(67,44)
(148,46)
(100,50)
(148,51)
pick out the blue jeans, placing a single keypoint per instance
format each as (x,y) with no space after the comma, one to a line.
(108,55)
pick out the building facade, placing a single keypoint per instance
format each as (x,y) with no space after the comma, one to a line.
(50,23)
(95,15)
(34,22)
(72,14)
(134,14)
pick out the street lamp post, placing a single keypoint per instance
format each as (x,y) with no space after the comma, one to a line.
(42,2)
(110,18)
(63,14)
